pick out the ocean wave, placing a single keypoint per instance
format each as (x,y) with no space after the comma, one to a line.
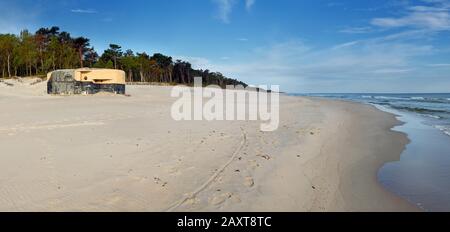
(431,116)
(418,109)
(389,98)
(424,99)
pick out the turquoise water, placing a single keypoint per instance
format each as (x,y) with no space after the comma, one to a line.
(422,175)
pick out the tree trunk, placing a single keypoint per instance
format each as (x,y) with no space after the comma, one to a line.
(80,53)
(141,73)
(9,65)
(42,59)
(130,75)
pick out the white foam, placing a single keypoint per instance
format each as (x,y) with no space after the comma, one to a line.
(387,98)
(444,129)
(431,116)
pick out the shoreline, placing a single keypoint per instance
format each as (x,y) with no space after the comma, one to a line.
(426,184)
(357,188)
(107,153)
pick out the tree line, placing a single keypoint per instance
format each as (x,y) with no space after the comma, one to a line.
(48,49)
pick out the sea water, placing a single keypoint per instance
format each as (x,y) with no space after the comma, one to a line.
(422,175)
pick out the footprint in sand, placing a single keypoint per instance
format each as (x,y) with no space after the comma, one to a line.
(218,199)
(249,182)
(193,201)
(266,157)
(173,171)
(158,181)
(254,164)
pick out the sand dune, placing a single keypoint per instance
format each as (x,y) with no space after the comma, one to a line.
(116,153)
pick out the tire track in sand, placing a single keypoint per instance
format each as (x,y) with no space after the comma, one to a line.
(212,178)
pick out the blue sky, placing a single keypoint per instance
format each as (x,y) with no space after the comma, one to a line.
(303,46)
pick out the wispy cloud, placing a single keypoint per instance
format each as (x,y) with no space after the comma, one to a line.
(440,65)
(249,4)
(84,11)
(434,17)
(357,30)
(345,45)
(242,39)
(107,19)
(366,65)
(225,8)
(392,71)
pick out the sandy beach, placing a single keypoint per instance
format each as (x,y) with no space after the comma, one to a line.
(117,153)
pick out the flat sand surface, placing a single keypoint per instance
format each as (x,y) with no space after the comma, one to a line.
(117,153)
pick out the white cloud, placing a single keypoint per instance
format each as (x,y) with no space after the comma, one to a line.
(249,4)
(435,17)
(84,11)
(225,8)
(366,65)
(392,71)
(439,65)
(357,30)
(197,62)
(242,39)
(345,45)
